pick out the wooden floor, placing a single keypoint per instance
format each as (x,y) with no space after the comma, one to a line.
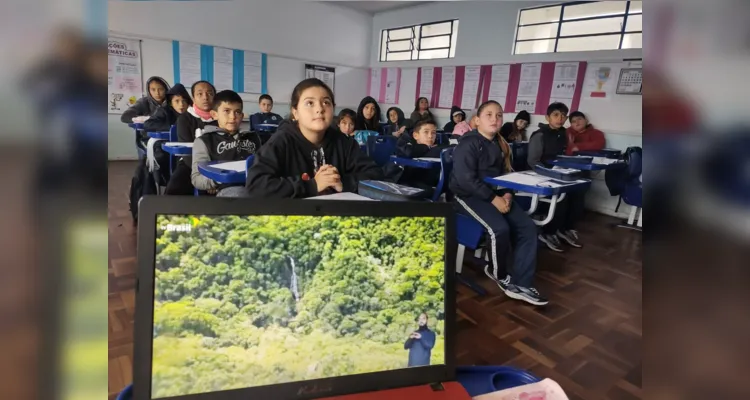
(588,338)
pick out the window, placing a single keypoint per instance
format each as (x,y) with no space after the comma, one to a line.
(419,42)
(580,26)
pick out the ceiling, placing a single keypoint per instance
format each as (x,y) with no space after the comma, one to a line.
(374,7)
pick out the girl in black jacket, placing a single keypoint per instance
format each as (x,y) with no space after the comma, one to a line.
(307,157)
(397,123)
(368,115)
(178,101)
(421,111)
(457,115)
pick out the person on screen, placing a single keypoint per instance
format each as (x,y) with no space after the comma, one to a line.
(420,343)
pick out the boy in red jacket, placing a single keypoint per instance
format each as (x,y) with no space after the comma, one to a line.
(582,135)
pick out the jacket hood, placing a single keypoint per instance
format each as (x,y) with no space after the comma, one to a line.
(289,129)
(359,124)
(399,112)
(148,92)
(457,109)
(524,115)
(179,90)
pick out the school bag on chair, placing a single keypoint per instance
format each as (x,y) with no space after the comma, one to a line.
(618,179)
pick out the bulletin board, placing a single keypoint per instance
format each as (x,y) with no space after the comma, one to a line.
(325,74)
(227,69)
(383,84)
(125,76)
(630,81)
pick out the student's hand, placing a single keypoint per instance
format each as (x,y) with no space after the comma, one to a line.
(509,198)
(328,178)
(501,204)
(574,149)
(400,131)
(211,191)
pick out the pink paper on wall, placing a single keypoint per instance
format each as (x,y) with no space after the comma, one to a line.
(545,88)
(579,86)
(437,77)
(513,81)
(458,86)
(383,80)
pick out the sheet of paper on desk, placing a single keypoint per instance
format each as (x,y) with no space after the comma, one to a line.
(239,166)
(340,196)
(565,170)
(604,160)
(523,179)
(430,159)
(546,389)
(178,144)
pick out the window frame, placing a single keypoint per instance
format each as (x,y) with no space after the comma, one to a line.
(416,36)
(622,32)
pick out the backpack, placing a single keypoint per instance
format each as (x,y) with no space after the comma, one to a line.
(617,179)
(145,182)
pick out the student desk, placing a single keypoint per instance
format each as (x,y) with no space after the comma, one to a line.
(422,162)
(538,186)
(178,149)
(159,135)
(226,172)
(265,127)
(606,153)
(595,165)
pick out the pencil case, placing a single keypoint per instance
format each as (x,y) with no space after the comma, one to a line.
(576,159)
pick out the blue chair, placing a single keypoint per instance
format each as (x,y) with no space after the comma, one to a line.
(446,167)
(381,148)
(633,193)
(519,155)
(469,234)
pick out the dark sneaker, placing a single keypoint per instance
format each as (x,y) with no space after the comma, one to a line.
(502,283)
(529,295)
(551,241)
(570,237)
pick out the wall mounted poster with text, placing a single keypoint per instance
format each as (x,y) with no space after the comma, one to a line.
(384,84)
(124,80)
(325,74)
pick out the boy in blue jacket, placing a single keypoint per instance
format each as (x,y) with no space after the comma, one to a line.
(265,116)
(478,156)
(420,343)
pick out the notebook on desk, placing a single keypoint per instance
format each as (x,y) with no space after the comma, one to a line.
(290,299)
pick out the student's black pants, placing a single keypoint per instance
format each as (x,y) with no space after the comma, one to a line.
(567,214)
(179,183)
(503,229)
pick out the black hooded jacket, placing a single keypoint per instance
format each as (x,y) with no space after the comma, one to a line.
(363,125)
(474,159)
(407,147)
(285,166)
(402,121)
(509,131)
(145,106)
(166,116)
(545,145)
(450,125)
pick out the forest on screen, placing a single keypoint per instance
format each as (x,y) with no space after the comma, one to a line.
(250,301)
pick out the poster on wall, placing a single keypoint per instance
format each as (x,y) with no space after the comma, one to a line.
(499,81)
(528,87)
(252,72)
(374,89)
(564,83)
(325,74)
(190,63)
(223,69)
(600,81)
(471,87)
(631,81)
(392,84)
(124,80)
(425,82)
(447,87)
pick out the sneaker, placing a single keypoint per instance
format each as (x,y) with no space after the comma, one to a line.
(503,283)
(529,295)
(570,237)
(551,241)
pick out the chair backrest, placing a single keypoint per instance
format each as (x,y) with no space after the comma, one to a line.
(519,154)
(468,231)
(446,166)
(173,134)
(634,158)
(381,148)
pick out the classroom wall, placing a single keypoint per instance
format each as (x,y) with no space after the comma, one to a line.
(486,35)
(339,37)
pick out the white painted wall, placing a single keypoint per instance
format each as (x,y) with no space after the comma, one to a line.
(291,33)
(486,35)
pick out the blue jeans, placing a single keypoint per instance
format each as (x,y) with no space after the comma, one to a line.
(503,229)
